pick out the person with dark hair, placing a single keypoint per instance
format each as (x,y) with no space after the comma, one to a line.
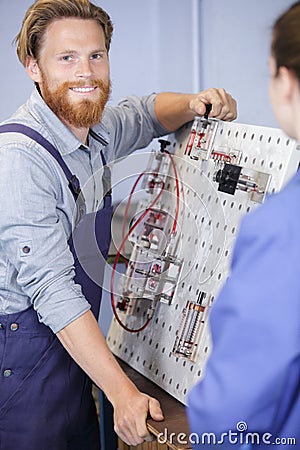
(251,386)
(52,260)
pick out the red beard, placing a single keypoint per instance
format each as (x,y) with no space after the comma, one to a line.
(83,114)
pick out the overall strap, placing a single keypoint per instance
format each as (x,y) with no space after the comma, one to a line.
(74,184)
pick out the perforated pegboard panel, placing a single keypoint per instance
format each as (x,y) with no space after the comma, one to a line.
(208,223)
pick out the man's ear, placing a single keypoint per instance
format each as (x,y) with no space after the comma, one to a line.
(32,69)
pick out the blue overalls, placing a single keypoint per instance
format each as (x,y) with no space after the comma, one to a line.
(46,399)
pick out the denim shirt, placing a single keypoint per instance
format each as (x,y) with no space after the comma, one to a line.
(37,206)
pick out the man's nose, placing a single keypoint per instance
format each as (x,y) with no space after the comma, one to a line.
(84,68)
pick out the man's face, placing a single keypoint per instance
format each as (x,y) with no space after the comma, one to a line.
(73,71)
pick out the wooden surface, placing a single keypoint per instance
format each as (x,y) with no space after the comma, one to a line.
(174,412)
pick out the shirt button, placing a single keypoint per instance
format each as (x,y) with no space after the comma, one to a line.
(14,327)
(26,249)
(7,373)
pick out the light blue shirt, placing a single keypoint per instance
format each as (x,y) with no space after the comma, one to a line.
(37,206)
(252,379)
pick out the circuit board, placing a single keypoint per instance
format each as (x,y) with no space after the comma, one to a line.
(197,188)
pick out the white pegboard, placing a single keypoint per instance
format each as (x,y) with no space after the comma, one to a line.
(208,222)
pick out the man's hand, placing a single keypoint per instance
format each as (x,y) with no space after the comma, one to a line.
(130,414)
(223,105)
(174,110)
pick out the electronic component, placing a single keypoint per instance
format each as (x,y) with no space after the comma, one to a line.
(151,232)
(232,177)
(201,138)
(157,169)
(149,277)
(192,327)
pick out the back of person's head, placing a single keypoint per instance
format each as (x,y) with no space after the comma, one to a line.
(43,12)
(286,40)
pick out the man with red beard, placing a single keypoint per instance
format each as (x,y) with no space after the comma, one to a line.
(51,267)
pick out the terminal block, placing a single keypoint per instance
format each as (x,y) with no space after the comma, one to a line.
(225,155)
(232,177)
(192,327)
(201,138)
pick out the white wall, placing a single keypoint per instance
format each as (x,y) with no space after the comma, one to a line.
(235,41)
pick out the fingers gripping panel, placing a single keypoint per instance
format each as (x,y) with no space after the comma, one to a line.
(183,245)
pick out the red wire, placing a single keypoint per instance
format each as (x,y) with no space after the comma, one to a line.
(117,259)
(177,192)
(129,202)
(130,231)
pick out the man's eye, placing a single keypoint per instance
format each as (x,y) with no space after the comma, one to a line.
(97,56)
(66,58)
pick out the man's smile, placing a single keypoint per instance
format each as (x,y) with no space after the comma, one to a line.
(84,90)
